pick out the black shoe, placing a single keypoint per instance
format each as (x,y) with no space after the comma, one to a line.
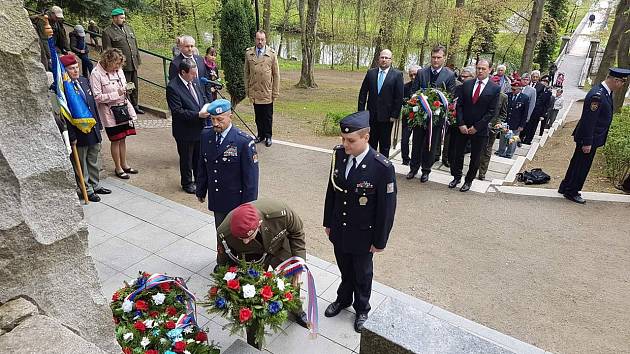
(190,189)
(445,163)
(268,142)
(481,177)
(138,110)
(94,198)
(405,162)
(411,174)
(301,319)
(333,309)
(575,198)
(465,187)
(454,183)
(519,144)
(561,190)
(259,140)
(103,190)
(424,177)
(359,320)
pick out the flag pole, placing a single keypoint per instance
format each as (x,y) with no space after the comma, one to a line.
(77,170)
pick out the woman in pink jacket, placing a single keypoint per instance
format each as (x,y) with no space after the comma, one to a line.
(109,88)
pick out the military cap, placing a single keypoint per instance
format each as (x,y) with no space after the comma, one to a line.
(516,83)
(245,220)
(496,79)
(68,59)
(355,121)
(545,78)
(118,11)
(619,72)
(219,106)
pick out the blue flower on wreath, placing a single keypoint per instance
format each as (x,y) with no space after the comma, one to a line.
(274,307)
(180,298)
(141,281)
(253,273)
(169,352)
(220,303)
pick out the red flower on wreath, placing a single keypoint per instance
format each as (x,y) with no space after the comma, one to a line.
(151,351)
(244,314)
(437,104)
(233,284)
(233,269)
(154,314)
(127,350)
(268,274)
(179,347)
(140,326)
(166,287)
(213,291)
(116,320)
(411,115)
(169,325)
(201,337)
(171,311)
(288,296)
(266,292)
(115,297)
(142,305)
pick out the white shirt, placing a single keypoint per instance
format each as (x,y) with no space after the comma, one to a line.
(437,71)
(358,160)
(184,81)
(225,132)
(558,103)
(483,84)
(606,87)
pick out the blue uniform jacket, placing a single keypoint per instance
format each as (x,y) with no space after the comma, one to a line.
(517,110)
(597,113)
(360,211)
(228,175)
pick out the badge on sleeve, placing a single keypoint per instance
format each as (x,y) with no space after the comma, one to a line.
(594,106)
(255,158)
(390,187)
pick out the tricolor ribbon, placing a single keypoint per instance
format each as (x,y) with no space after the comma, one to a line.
(295,265)
(445,103)
(427,109)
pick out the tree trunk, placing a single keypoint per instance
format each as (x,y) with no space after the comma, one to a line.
(425,36)
(532,35)
(456,32)
(332,32)
(267,17)
(623,61)
(386,31)
(469,48)
(309,32)
(622,18)
(407,39)
(358,32)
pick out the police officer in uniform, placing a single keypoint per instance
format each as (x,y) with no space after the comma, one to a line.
(358,213)
(591,132)
(263,231)
(228,164)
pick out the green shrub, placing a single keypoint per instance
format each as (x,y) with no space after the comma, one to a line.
(330,123)
(617,148)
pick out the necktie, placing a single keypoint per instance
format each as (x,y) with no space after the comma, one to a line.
(191,88)
(218,140)
(354,167)
(76,84)
(259,52)
(475,96)
(381,77)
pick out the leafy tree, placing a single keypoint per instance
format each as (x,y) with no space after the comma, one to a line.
(556,13)
(532,35)
(236,36)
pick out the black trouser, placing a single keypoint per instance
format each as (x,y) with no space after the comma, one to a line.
(477,143)
(132,76)
(381,136)
(577,172)
(356,279)
(404,142)
(188,157)
(449,145)
(530,130)
(264,119)
(421,155)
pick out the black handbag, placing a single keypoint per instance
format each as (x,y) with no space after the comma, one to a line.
(121,113)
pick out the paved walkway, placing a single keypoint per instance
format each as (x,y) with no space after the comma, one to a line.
(133,230)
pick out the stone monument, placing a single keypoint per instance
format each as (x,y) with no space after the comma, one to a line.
(44,258)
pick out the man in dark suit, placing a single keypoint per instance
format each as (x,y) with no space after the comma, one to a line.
(541,108)
(591,132)
(517,111)
(382,89)
(358,213)
(88,144)
(185,100)
(406,131)
(476,106)
(442,78)
(187,47)
(228,164)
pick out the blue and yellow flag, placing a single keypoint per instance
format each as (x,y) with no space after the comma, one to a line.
(72,106)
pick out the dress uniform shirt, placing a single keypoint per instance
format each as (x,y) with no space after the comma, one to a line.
(357,159)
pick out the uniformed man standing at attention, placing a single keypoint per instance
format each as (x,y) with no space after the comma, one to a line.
(591,132)
(228,164)
(358,213)
(264,231)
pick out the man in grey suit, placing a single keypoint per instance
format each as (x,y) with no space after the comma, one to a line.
(530,92)
(442,78)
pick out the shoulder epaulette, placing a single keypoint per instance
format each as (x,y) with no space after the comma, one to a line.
(338,147)
(382,159)
(276,214)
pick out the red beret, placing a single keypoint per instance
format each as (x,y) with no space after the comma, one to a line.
(68,60)
(516,83)
(496,79)
(245,219)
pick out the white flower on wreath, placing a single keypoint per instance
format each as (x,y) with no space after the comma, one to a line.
(144,342)
(280,283)
(127,306)
(148,323)
(158,298)
(189,330)
(249,291)
(186,351)
(229,276)
(437,111)
(416,108)
(128,336)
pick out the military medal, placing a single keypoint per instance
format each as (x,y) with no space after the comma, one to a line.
(363,200)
